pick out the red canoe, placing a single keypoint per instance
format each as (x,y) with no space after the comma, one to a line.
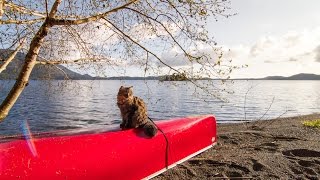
(114,154)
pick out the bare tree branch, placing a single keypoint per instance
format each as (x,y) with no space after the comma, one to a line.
(188,55)
(47,11)
(138,44)
(267,109)
(11,57)
(76,61)
(55,21)
(64,73)
(31,21)
(24,10)
(54,8)
(30,61)
(77,37)
(159,59)
(1,8)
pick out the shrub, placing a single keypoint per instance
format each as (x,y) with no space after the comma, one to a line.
(312,123)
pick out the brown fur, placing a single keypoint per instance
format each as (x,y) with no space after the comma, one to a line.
(134,112)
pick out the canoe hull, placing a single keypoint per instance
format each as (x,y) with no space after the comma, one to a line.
(114,154)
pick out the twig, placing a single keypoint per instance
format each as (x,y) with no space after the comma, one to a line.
(269,122)
(267,109)
(66,77)
(24,10)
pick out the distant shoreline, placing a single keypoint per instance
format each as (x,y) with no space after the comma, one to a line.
(301,76)
(139,79)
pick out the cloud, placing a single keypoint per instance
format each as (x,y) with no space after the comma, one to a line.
(287,54)
(292,44)
(292,59)
(260,46)
(268,61)
(176,57)
(317,53)
(291,53)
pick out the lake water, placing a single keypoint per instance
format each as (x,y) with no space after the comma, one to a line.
(55,105)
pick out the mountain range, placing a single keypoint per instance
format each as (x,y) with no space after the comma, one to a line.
(40,72)
(59,72)
(301,76)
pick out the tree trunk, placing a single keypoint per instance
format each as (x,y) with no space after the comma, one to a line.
(23,78)
(30,61)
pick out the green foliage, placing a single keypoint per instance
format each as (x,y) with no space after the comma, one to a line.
(312,123)
(175,77)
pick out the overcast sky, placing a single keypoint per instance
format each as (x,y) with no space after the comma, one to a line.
(274,37)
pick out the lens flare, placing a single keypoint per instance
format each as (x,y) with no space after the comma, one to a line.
(28,136)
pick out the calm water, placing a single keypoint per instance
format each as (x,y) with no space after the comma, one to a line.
(54,105)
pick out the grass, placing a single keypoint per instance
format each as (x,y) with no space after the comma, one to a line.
(312,123)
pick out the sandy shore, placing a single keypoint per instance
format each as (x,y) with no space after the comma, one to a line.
(275,149)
